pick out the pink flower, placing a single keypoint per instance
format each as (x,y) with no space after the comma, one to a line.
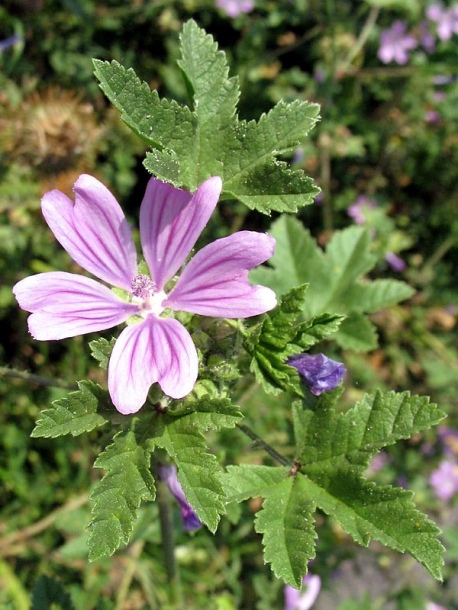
(95,233)
(395,44)
(446,19)
(303,600)
(233,8)
(445,480)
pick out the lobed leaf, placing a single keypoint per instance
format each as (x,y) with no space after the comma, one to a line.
(287,524)
(75,414)
(117,496)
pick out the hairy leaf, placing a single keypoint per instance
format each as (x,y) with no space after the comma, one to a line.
(251,481)
(117,496)
(74,414)
(286,520)
(189,144)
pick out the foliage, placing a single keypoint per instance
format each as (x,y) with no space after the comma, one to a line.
(246,108)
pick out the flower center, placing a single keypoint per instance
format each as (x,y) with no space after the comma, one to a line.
(145,296)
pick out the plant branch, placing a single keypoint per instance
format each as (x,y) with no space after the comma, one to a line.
(260,443)
(38,379)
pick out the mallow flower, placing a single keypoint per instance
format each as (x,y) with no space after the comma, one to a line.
(190,520)
(155,347)
(319,372)
(306,597)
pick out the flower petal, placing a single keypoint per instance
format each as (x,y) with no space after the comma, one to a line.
(215,281)
(171,220)
(66,305)
(155,350)
(93,231)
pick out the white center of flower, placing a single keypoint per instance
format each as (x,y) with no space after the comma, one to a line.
(145,296)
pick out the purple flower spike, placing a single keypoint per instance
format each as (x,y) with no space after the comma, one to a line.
(303,600)
(168,474)
(395,44)
(95,233)
(319,372)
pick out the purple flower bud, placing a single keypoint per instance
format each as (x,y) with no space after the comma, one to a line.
(303,599)
(395,261)
(319,372)
(9,42)
(169,475)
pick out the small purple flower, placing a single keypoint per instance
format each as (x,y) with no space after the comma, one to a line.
(446,19)
(445,480)
(97,236)
(395,261)
(234,8)
(427,40)
(395,44)
(168,474)
(362,205)
(319,372)
(449,439)
(9,42)
(303,600)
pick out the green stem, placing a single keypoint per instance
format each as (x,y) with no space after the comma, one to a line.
(38,379)
(260,443)
(168,544)
(362,38)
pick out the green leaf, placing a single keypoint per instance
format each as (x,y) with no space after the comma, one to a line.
(387,514)
(189,144)
(101,351)
(251,481)
(278,337)
(286,520)
(336,278)
(198,470)
(357,333)
(354,437)
(209,413)
(117,496)
(160,123)
(75,414)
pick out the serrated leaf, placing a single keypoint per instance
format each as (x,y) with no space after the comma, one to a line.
(198,470)
(75,414)
(160,123)
(209,413)
(278,337)
(287,524)
(246,481)
(101,351)
(117,496)
(387,514)
(352,438)
(191,144)
(335,277)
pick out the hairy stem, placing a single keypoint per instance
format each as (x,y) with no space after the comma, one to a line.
(267,448)
(37,379)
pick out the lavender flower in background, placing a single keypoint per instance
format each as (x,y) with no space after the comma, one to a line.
(395,261)
(361,206)
(395,44)
(168,474)
(95,233)
(234,8)
(449,439)
(9,42)
(319,372)
(433,606)
(444,480)
(303,600)
(446,19)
